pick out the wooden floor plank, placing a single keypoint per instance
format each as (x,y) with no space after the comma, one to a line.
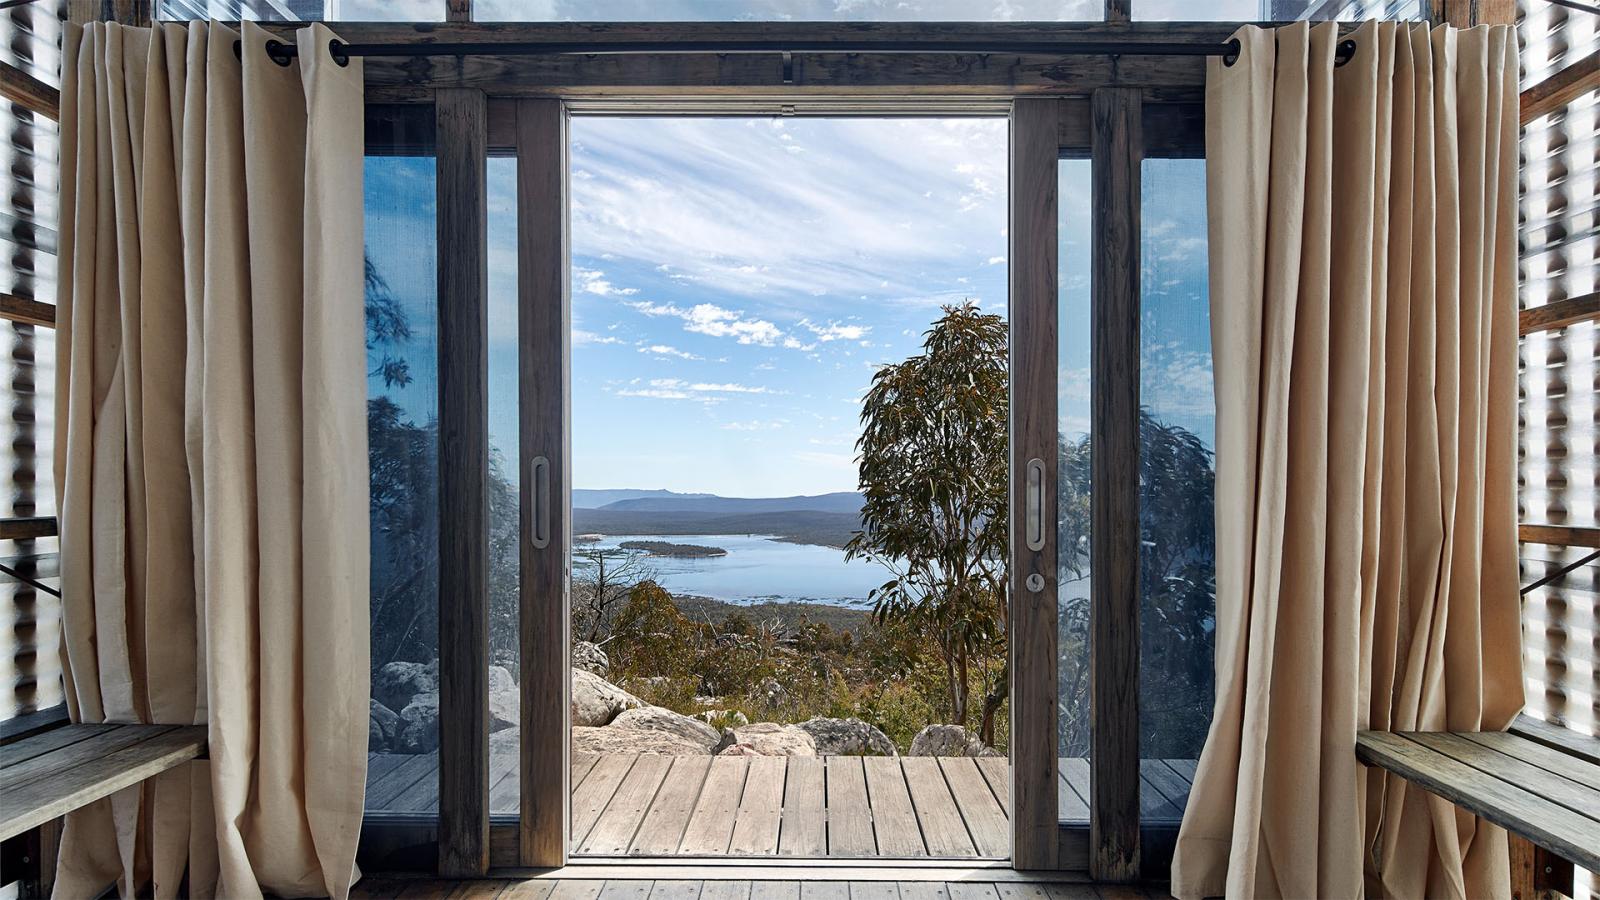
(964,890)
(942,828)
(1155,776)
(590,798)
(848,812)
(614,830)
(1014,890)
(582,763)
(411,769)
(923,890)
(1074,789)
(710,827)
(775,890)
(874,890)
(576,889)
(626,890)
(1184,767)
(1071,892)
(676,890)
(805,815)
(986,822)
(997,771)
(894,820)
(760,814)
(478,889)
(725,890)
(422,796)
(532,889)
(661,832)
(824,890)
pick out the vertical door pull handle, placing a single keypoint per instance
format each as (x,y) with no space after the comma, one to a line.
(539,482)
(1034,512)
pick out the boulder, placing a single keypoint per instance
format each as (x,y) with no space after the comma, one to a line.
(590,658)
(505,701)
(765,739)
(847,737)
(948,740)
(382,727)
(419,725)
(647,729)
(596,702)
(396,683)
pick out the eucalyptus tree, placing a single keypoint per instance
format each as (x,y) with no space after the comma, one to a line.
(933,461)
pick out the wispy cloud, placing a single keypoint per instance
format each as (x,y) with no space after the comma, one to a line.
(716,321)
(581,338)
(834,331)
(593,281)
(665,350)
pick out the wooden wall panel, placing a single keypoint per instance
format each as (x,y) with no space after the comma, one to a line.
(1114,464)
(545,328)
(461,127)
(1033,253)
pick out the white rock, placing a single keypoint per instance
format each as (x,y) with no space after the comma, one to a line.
(766,739)
(948,740)
(847,737)
(596,702)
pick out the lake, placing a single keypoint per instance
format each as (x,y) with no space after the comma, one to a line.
(758,569)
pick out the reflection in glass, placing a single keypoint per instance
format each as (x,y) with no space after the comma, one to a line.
(1072,490)
(504,500)
(1177,433)
(402,435)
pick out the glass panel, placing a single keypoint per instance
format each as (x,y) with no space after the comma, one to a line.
(789,10)
(1072,489)
(505,703)
(1561,667)
(402,432)
(304,10)
(1177,434)
(1278,10)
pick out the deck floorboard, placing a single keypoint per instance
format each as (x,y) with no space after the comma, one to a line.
(844,807)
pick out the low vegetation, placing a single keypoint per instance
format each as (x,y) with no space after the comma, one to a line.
(667,548)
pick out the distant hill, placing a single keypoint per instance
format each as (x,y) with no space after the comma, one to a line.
(839,502)
(798,526)
(591,498)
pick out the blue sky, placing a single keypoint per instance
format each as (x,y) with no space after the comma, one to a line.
(736,281)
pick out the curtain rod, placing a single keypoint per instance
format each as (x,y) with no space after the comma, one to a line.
(284,53)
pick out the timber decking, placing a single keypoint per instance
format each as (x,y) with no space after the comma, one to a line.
(834,806)
(418,888)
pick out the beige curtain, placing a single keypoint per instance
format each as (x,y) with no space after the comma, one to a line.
(1363,293)
(212,460)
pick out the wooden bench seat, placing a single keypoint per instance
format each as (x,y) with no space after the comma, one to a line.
(1538,785)
(49,774)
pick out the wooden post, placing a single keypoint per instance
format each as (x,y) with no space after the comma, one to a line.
(1033,626)
(544,332)
(461,127)
(1114,505)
